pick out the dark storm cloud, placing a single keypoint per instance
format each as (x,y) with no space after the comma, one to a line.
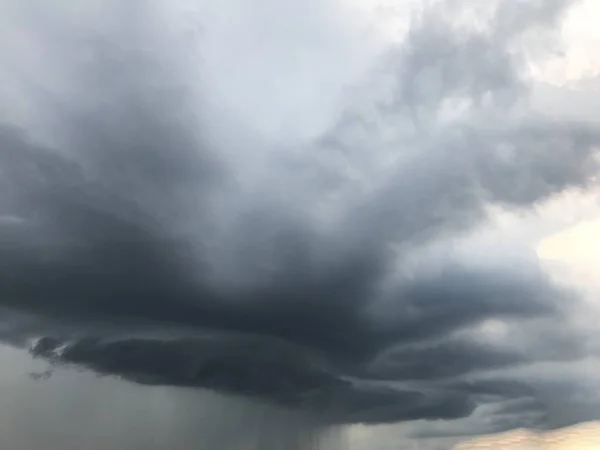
(253,368)
(132,246)
(442,359)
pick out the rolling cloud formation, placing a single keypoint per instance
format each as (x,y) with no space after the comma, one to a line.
(151,232)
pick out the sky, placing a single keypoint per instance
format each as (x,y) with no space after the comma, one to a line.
(329,224)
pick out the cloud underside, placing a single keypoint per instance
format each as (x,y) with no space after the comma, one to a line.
(133,243)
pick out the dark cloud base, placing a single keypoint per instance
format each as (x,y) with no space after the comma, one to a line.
(254,372)
(116,256)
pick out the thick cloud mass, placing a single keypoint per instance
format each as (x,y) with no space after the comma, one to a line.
(147,233)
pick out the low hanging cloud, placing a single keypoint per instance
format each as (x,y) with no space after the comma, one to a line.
(140,239)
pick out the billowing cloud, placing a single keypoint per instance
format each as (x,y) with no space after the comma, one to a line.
(152,234)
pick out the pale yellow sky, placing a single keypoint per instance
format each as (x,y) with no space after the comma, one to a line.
(576,249)
(579,437)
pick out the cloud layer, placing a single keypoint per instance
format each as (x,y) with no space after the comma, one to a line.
(148,231)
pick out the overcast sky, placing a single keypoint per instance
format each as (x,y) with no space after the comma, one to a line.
(289,224)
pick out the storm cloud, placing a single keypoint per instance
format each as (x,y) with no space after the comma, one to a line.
(151,233)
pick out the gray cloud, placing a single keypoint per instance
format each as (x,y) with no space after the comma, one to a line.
(144,244)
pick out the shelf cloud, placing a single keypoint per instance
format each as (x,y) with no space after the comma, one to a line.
(150,233)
